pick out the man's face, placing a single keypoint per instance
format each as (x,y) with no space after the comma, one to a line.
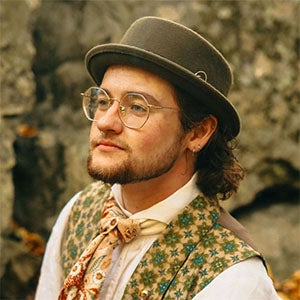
(122,155)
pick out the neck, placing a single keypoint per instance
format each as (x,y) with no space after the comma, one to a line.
(142,195)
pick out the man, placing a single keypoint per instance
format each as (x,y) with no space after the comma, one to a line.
(151,227)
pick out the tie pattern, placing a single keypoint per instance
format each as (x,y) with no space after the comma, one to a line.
(89,272)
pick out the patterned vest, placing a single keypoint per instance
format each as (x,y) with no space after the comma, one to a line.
(197,245)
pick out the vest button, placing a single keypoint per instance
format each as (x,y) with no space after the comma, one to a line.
(143,295)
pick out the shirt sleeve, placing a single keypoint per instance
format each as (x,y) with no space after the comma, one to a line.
(247,280)
(50,280)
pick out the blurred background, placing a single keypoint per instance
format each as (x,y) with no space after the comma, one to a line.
(44,134)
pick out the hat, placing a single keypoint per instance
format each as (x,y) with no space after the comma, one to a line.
(177,54)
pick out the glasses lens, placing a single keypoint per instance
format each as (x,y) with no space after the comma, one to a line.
(134,110)
(95,102)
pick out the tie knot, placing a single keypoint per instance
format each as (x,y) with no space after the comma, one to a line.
(114,220)
(128,229)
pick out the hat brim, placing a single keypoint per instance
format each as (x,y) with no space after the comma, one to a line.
(99,58)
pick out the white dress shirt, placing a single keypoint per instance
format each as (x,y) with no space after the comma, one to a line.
(247,280)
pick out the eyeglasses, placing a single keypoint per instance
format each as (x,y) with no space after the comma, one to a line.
(134,109)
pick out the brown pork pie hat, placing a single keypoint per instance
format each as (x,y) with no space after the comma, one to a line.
(180,56)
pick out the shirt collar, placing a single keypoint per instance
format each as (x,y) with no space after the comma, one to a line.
(165,210)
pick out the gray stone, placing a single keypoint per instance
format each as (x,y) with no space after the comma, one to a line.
(280,248)
(21,267)
(7,162)
(17,51)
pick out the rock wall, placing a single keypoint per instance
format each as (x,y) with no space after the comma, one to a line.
(44,135)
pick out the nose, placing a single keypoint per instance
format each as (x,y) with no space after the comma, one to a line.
(110,121)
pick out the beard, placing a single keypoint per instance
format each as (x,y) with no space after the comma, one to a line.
(136,169)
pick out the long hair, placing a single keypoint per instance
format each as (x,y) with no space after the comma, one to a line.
(219,172)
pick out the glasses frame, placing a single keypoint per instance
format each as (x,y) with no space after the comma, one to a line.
(121,108)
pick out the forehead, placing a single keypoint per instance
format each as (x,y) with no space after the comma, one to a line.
(119,78)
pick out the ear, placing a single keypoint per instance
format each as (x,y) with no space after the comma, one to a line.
(201,134)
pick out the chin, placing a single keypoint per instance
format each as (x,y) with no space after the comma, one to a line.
(103,169)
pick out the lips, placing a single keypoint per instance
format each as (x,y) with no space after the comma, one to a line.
(107,146)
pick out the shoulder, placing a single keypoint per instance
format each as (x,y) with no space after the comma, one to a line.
(246,280)
(96,192)
(51,274)
(87,206)
(95,189)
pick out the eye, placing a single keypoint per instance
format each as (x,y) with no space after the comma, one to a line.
(135,104)
(103,103)
(138,108)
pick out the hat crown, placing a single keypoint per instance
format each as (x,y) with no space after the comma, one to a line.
(183,47)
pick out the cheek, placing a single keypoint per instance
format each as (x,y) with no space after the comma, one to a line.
(157,136)
(149,142)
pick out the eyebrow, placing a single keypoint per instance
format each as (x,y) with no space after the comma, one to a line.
(151,99)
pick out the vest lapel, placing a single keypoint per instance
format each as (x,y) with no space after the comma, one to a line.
(189,254)
(159,267)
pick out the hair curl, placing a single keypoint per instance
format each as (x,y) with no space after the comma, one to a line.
(219,172)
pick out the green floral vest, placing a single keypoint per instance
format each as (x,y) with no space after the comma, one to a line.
(197,245)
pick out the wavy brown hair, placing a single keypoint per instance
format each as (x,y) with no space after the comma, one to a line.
(219,172)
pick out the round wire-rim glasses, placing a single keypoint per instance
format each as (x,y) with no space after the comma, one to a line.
(134,108)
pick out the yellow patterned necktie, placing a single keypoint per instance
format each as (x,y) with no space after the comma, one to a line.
(88,274)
